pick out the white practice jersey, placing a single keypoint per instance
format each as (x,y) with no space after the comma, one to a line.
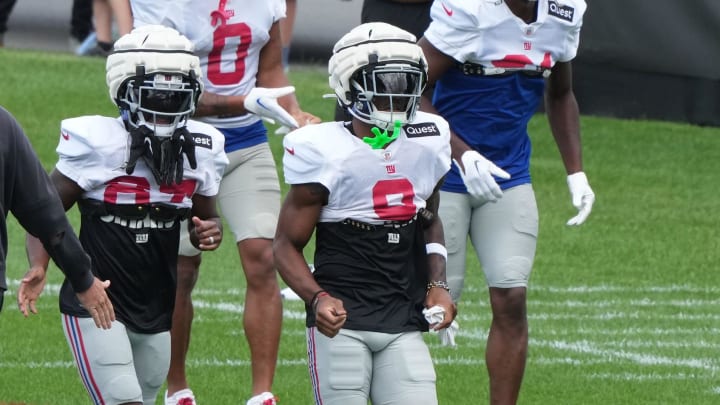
(365,184)
(93,152)
(229,49)
(486,32)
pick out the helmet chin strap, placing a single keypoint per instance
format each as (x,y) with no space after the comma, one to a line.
(381,138)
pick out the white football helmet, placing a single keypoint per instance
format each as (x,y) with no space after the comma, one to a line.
(154,79)
(378,73)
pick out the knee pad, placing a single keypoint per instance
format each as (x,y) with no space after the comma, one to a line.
(123,388)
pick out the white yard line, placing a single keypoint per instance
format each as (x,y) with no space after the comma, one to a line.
(607,352)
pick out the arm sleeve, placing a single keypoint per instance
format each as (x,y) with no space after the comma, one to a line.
(38,209)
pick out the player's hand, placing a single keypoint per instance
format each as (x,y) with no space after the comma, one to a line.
(582,195)
(303,118)
(330,315)
(477,174)
(208,232)
(440,298)
(31,287)
(97,303)
(262,102)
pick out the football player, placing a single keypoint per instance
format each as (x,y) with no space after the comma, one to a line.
(368,187)
(239,45)
(491,63)
(134,179)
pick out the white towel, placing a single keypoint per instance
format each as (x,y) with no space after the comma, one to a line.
(437,314)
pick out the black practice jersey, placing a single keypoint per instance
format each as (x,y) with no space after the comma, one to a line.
(379,272)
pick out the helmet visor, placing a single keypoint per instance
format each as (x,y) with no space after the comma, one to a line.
(165,101)
(393,91)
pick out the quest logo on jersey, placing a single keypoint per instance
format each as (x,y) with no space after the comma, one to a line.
(202,140)
(421,129)
(561,11)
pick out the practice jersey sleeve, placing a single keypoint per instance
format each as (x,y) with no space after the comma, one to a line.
(443,156)
(211,157)
(147,12)
(88,150)
(454,27)
(433,132)
(280,9)
(572,41)
(305,159)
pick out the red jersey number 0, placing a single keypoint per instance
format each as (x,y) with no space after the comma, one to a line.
(220,41)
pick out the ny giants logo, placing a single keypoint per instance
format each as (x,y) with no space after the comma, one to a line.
(561,11)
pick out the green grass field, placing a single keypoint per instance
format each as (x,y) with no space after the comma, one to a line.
(623,310)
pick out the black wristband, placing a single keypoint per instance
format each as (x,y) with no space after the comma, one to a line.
(316,298)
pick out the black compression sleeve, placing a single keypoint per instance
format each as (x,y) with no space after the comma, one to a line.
(61,243)
(68,254)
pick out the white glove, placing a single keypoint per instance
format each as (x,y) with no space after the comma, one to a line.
(437,314)
(282,130)
(582,197)
(262,101)
(478,176)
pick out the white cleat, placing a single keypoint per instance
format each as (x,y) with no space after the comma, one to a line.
(266,398)
(182,397)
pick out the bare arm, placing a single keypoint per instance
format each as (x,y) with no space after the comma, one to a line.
(272,75)
(563,116)
(437,263)
(296,224)
(298,218)
(434,234)
(217,104)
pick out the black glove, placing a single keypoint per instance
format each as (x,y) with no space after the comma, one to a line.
(164,157)
(172,151)
(140,139)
